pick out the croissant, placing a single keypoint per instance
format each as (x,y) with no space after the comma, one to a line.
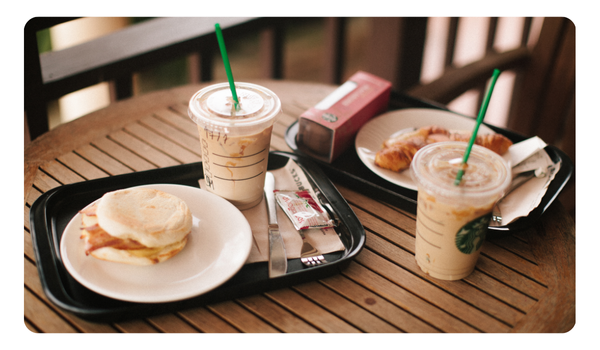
(397,157)
(419,137)
(397,153)
(495,142)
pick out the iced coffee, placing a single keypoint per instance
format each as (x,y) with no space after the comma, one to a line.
(235,140)
(452,220)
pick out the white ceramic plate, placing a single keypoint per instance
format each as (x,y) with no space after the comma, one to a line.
(217,248)
(372,135)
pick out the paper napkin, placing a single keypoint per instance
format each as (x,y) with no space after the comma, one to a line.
(523,156)
(290,177)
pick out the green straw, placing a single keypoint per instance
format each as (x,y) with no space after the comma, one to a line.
(226,63)
(477,124)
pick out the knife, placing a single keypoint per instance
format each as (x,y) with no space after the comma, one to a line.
(277,256)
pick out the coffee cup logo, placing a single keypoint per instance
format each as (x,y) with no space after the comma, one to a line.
(471,236)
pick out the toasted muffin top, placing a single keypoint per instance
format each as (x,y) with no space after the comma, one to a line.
(152,217)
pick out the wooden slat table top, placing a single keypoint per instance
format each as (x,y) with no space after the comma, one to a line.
(523,283)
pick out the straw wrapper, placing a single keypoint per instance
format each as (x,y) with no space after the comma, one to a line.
(523,156)
(326,240)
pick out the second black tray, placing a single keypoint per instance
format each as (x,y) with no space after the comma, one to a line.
(53,210)
(350,171)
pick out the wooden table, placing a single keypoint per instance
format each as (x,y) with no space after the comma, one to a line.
(523,283)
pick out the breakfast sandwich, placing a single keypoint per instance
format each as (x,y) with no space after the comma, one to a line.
(138,226)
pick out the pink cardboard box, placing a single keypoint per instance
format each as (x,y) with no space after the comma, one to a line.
(326,130)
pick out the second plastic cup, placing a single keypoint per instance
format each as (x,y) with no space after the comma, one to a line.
(452,221)
(235,143)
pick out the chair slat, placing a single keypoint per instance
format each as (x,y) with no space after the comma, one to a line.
(335,30)
(491,34)
(451,42)
(396,49)
(561,79)
(271,52)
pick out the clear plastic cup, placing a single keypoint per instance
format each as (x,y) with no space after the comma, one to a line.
(452,220)
(235,143)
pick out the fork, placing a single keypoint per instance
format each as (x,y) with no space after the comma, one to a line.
(309,255)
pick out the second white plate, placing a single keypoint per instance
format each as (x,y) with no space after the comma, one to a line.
(217,248)
(372,135)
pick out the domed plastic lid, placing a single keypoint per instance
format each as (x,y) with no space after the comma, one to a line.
(214,106)
(435,167)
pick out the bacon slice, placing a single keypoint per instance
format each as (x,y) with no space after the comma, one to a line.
(98,238)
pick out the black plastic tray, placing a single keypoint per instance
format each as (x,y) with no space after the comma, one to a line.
(53,210)
(350,171)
